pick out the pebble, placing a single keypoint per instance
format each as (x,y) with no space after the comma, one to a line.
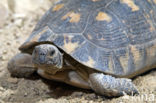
(13,80)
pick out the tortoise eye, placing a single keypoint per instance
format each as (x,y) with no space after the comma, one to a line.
(52,52)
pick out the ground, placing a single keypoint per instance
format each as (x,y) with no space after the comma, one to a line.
(14,30)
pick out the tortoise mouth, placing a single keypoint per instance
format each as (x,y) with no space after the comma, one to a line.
(46,66)
(48,69)
(52,69)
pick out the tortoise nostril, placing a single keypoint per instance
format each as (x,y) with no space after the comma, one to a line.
(42,53)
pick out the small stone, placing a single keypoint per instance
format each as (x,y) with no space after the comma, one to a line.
(2,89)
(2,58)
(77,94)
(18,22)
(25,94)
(4,51)
(13,80)
(8,43)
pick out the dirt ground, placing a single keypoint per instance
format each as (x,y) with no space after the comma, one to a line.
(15,27)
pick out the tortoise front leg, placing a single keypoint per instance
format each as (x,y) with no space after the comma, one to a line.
(111,86)
(21,65)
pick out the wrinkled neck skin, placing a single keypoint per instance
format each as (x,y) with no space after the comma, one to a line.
(48,69)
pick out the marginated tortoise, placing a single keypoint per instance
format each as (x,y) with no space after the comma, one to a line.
(92,44)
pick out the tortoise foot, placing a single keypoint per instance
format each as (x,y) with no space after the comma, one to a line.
(111,86)
(21,65)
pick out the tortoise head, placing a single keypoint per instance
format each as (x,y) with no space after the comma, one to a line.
(47,57)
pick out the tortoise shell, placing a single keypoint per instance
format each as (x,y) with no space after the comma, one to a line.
(117,37)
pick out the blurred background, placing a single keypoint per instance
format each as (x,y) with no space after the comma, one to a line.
(21,9)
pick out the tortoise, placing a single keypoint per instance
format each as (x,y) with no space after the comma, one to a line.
(92,44)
